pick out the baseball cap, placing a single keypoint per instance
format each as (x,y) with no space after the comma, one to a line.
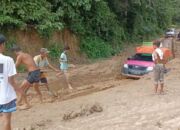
(2,39)
(44,50)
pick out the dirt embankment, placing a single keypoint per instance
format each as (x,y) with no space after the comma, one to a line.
(31,41)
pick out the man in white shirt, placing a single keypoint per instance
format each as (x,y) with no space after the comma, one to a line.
(7,86)
(159,61)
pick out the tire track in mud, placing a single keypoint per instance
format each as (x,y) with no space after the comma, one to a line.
(88,79)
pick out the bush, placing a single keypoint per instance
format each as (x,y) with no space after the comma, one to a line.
(105,21)
(95,47)
(9,45)
(55,49)
(21,69)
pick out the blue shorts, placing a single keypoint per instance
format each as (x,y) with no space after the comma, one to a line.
(63,66)
(9,107)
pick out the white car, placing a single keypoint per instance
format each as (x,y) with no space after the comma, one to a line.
(171,32)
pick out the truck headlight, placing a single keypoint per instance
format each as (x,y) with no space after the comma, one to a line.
(125,65)
(149,68)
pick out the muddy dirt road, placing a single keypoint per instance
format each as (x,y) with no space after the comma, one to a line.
(125,104)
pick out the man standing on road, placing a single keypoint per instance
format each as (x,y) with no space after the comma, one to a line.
(168,42)
(42,62)
(33,75)
(159,61)
(8,86)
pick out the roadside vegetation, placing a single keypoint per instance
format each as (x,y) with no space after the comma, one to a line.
(103,26)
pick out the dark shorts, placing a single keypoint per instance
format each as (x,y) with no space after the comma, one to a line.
(44,80)
(9,107)
(33,76)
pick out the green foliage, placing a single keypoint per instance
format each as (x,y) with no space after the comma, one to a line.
(9,43)
(55,50)
(106,23)
(176,11)
(143,18)
(21,69)
(96,48)
(29,13)
(93,18)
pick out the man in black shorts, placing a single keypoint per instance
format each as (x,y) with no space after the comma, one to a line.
(33,75)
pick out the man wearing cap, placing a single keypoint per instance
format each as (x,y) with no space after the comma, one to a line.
(32,78)
(8,86)
(42,62)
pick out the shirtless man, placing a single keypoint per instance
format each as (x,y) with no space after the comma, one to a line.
(33,75)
